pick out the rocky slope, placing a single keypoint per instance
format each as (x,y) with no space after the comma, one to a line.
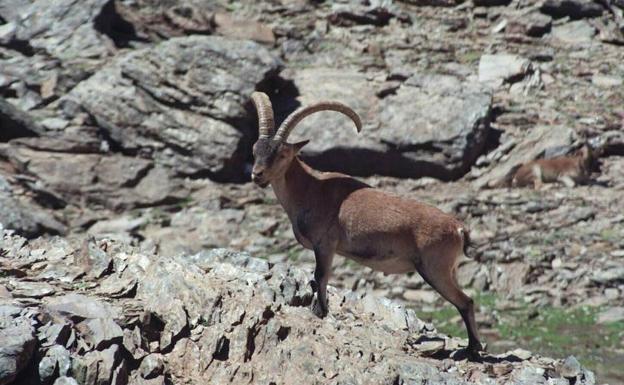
(130,120)
(105,313)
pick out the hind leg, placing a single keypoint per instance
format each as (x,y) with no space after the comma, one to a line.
(444,282)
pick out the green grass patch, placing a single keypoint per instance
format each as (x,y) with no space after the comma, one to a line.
(609,235)
(546,330)
(469,57)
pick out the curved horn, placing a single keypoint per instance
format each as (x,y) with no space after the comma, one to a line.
(293,119)
(266,123)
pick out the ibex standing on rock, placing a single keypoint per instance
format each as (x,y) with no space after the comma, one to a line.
(332,213)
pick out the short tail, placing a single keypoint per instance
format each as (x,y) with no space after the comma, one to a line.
(467,243)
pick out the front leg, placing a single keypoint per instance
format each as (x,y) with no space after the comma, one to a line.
(536,172)
(324,257)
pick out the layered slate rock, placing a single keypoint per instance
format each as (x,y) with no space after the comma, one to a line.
(432,125)
(181,103)
(71,168)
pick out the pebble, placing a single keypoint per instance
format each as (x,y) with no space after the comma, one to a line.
(604,81)
(614,314)
(570,368)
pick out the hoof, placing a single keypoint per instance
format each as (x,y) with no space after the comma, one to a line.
(473,352)
(319,310)
(474,355)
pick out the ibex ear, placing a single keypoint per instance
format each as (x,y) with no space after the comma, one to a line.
(299,145)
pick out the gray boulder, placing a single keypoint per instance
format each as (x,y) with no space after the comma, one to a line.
(10,9)
(65,381)
(432,125)
(21,289)
(500,68)
(65,29)
(151,366)
(56,360)
(182,102)
(100,332)
(16,349)
(575,33)
(34,79)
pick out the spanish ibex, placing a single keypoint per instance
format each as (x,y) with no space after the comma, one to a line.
(569,170)
(333,213)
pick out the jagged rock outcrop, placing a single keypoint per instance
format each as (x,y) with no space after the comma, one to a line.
(101,312)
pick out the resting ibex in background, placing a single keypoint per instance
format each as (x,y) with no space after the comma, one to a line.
(332,213)
(569,170)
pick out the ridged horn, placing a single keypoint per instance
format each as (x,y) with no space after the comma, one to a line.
(266,122)
(293,119)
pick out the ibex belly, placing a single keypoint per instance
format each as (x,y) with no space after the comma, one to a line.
(393,265)
(387,260)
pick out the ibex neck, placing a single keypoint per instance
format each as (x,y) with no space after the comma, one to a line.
(291,189)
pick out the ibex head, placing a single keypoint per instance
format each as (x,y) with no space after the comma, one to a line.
(272,154)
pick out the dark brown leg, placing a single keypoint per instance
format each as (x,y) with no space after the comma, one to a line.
(324,259)
(444,282)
